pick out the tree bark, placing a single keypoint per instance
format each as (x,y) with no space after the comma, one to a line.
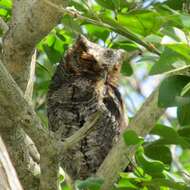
(30,22)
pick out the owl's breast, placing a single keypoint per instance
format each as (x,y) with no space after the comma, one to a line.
(69,107)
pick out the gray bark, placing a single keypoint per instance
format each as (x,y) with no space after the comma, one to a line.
(31,21)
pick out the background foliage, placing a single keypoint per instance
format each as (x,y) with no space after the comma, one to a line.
(156,36)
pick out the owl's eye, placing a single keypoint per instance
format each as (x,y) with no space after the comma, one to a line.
(115,68)
(108,53)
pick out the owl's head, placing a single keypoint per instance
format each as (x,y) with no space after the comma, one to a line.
(89,59)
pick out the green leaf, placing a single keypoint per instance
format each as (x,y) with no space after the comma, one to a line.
(168,136)
(164,131)
(131,138)
(170,88)
(160,182)
(6,3)
(107,4)
(143,22)
(184,132)
(97,32)
(3,12)
(167,62)
(150,166)
(52,54)
(71,25)
(43,85)
(126,45)
(183,114)
(92,183)
(158,152)
(182,49)
(125,183)
(78,5)
(185,20)
(177,5)
(126,69)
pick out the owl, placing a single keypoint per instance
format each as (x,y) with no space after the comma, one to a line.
(85,82)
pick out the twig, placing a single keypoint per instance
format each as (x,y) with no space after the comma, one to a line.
(81,133)
(184,173)
(29,89)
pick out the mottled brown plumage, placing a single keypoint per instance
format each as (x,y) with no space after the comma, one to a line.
(84,82)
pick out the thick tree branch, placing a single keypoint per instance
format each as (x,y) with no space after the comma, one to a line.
(21,148)
(31,21)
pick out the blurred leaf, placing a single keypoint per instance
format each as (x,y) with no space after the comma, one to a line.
(97,31)
(168,136)
(71,25)
(150,166)
(78,5)
(53,55)
(131,138)
(185,20)
(170,88)
(184,132)
(43,85)
(166,62)
(164,131)
(183,114)
(158,152)
(3,12)
(125,183)
(126,69)
(91,183)
(182,49)
(177,5)
(143,22)
(111,4)
(126,45)
(169,183)
(43,118)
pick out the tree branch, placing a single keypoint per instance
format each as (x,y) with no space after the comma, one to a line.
(30,22)
(29,88)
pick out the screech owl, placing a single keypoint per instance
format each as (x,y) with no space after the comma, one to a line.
(86,81)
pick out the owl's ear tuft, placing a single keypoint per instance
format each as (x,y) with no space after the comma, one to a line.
(81,43)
